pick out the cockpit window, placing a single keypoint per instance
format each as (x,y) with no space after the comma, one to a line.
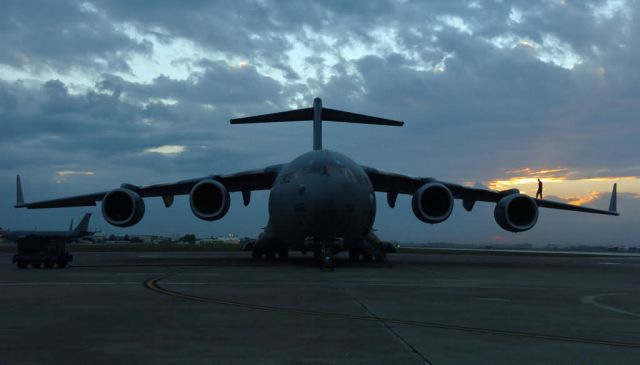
(322,168)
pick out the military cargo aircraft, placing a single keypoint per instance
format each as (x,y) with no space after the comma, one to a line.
(322,201)
(48,248)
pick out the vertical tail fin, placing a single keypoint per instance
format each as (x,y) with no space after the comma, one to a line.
(83,226)
(613,204)
(317,124)
(19,195)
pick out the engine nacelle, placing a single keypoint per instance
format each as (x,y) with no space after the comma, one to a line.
(209,200)
(122,207)
(432,203)
(516,213)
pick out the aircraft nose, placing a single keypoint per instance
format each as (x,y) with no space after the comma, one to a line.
(329,208)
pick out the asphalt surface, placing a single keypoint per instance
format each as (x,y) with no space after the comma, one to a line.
(209,308)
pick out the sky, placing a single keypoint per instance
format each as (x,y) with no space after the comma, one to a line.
(493,93)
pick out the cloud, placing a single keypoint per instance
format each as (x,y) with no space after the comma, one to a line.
(485,89)
(38,36)
(168,150)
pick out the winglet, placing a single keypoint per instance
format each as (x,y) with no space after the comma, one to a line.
(613,204)
(19,195)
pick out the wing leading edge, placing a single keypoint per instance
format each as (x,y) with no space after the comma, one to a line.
(394,184)
(245,182)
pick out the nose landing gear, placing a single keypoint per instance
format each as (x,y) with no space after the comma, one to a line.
(325,252)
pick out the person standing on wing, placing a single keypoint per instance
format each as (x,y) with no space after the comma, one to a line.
(539,189)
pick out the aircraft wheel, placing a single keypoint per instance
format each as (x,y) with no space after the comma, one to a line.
(327,263)
(367,258)
(62,263)
(271,255)
(36,264)
(48,264)
(22,264)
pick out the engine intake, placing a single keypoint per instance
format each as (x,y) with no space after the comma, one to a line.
(122,207)
(209,200)
(516,213)
(432,203)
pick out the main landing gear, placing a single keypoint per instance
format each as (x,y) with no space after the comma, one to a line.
(269,254)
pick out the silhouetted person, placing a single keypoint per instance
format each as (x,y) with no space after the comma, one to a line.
(539,189)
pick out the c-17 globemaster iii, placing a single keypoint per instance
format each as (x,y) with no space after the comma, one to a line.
(322,201)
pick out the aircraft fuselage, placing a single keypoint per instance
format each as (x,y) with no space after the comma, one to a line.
(321,195)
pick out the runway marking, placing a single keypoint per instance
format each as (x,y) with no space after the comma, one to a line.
(152,284)
(493,299)
(139,273)
(54,283)
(592,299)
(58,283)
(454,276)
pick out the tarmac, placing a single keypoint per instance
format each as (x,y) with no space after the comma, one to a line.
(226,308)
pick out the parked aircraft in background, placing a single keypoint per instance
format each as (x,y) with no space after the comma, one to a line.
(321,201)
(46,247)
(72,234)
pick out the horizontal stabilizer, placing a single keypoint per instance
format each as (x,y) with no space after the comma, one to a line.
(348,117)
(333,115)
(298,115)
(317,114)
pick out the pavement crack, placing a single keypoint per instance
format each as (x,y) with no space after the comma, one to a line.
(152,284)
(393,332)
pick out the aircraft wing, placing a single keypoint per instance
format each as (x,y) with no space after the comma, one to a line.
(245,181)
(394,184)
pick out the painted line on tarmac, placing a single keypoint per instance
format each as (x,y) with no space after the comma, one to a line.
(593,300)
(59,283)
(152,284)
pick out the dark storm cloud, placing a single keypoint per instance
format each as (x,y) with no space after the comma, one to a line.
(219,84)
(492,106)
(62,35)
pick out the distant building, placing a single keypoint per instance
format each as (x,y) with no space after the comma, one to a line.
(147,238)
(207,241)
(230,238)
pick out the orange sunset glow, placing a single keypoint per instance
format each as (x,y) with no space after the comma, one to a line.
(572,186)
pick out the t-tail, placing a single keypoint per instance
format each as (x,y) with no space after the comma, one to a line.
(317,114)
(83,226)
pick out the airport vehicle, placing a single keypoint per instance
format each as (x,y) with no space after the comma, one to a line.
(48,248)
(322,201)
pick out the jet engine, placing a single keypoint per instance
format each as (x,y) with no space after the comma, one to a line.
(432,203)
(122,207)
(516,213)
(209,200)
